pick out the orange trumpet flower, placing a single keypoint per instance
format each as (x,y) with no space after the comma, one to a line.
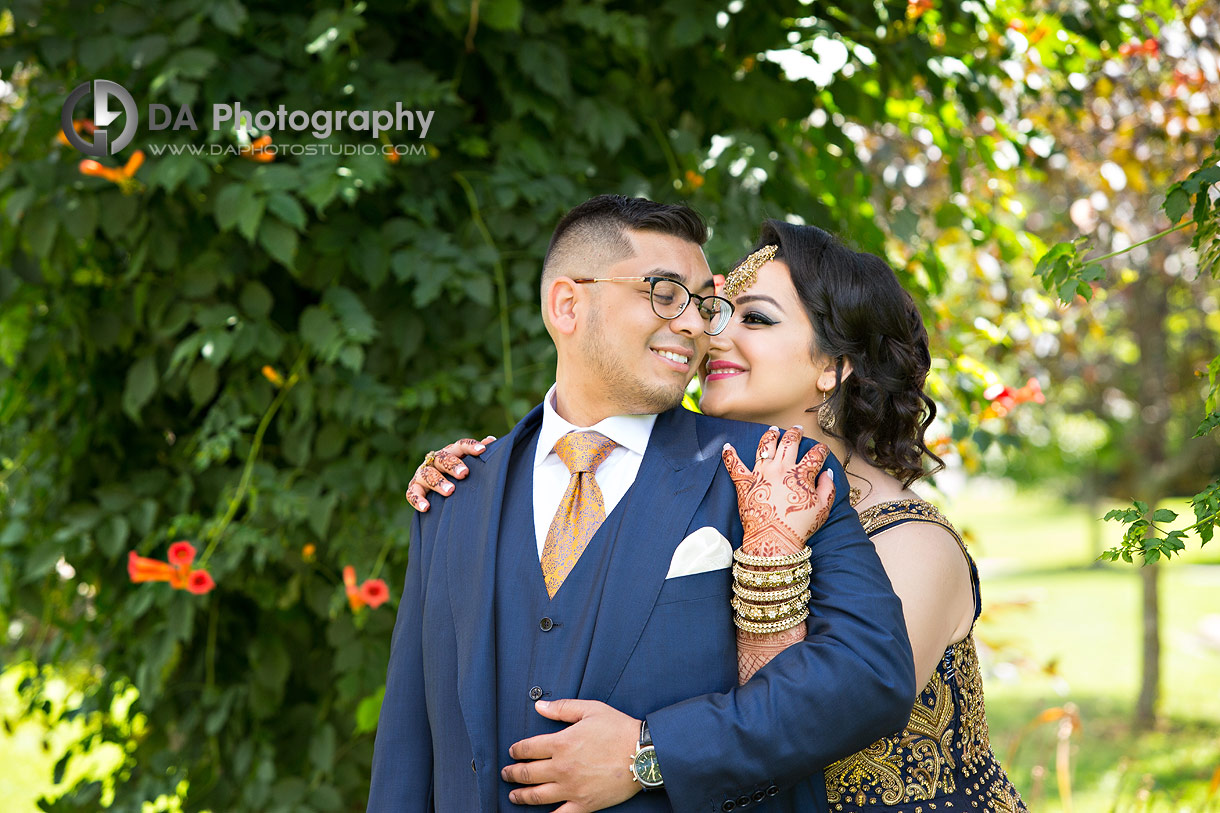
(257,151)
(96,170)
(143,569)
(177,571)
(79,125)
(134,163)
(124,177)
(373,592)
(199,582)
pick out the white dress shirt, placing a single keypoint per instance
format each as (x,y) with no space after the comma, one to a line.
(614,476)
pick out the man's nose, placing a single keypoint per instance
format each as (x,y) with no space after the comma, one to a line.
(690,322)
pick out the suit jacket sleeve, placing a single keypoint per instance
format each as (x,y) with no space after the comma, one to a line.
(849,683)
(402,753)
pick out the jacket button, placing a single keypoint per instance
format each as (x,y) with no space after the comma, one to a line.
(759,795)
(772,791)
(536,693)
(545,624)
(728,805)
(472,767)
(742,801)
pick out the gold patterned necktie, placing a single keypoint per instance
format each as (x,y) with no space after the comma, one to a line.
(582,509)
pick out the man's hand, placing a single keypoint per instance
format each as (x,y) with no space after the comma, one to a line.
(585,765)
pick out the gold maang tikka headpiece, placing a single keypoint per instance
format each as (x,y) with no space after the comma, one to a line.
(744,275)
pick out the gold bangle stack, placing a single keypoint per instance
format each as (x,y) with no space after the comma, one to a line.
(740,555)
(785,591)
(782,594)
(768,627)
(772,578)
(770,612)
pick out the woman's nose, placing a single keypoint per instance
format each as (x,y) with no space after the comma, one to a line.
(723,340)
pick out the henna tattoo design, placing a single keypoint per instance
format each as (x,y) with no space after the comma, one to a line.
(448,462)
(755,650)
(429,476)
(770,533)
(765,532)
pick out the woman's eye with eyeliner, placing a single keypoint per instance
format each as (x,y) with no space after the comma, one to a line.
(756,318)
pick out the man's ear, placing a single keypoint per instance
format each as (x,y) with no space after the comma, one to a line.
(562,305)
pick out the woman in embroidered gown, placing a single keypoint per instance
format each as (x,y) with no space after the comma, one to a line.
(820,328)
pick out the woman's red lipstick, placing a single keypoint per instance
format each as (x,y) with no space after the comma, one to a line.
(723,369)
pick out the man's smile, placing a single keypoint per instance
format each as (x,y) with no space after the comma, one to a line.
(677,357)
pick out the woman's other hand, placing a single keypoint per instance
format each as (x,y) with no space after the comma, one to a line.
(783,501)
(430,476)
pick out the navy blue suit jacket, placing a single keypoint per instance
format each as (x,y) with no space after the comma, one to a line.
(663,648)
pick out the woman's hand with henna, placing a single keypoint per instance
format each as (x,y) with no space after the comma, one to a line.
(430,476)
(782,502)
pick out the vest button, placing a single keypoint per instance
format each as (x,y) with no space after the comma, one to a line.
(545,624)
(536,693)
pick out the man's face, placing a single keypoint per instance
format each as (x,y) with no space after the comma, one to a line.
(643,362)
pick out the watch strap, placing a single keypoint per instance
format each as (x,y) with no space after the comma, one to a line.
(645,734)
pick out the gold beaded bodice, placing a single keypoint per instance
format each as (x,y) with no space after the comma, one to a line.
(942,760)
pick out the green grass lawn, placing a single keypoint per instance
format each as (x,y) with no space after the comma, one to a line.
(1056,630)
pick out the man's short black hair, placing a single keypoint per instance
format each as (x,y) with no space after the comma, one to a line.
(591,236)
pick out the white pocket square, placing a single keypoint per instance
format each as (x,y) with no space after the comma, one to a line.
(705,549)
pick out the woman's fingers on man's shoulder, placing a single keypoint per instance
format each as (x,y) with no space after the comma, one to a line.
(789,445)
(449,459)
(737,469)
(450,462)
(415,496)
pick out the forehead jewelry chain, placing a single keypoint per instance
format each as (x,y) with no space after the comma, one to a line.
(744,275)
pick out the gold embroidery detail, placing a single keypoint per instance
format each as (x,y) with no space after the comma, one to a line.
(976,743)
(919,764)
(878,768)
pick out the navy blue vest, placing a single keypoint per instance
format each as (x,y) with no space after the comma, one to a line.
(542,644)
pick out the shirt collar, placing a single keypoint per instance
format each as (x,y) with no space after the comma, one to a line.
(629,431)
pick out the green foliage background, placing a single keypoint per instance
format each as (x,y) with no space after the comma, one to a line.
(396,301)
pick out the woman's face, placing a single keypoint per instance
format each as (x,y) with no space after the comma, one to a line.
(761,368)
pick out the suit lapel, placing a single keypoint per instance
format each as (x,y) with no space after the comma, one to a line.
(470,545)
(673,478)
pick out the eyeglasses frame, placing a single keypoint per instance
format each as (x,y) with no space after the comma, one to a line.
(652,284)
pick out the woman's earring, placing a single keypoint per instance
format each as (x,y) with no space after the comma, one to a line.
(826,416)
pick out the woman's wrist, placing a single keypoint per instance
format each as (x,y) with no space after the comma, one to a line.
(770,642)
(772,541)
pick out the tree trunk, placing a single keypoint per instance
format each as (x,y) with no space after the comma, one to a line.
(1150,309)
(1092,499)
(1150,672)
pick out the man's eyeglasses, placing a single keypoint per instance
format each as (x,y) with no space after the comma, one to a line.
(670,298)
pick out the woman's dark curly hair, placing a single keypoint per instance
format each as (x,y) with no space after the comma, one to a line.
(860,313)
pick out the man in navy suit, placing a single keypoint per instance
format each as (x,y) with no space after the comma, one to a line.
(637,644)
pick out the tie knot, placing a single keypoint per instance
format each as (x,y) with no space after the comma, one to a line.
(583,451)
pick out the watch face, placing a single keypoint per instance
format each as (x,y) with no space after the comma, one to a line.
(647,768)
